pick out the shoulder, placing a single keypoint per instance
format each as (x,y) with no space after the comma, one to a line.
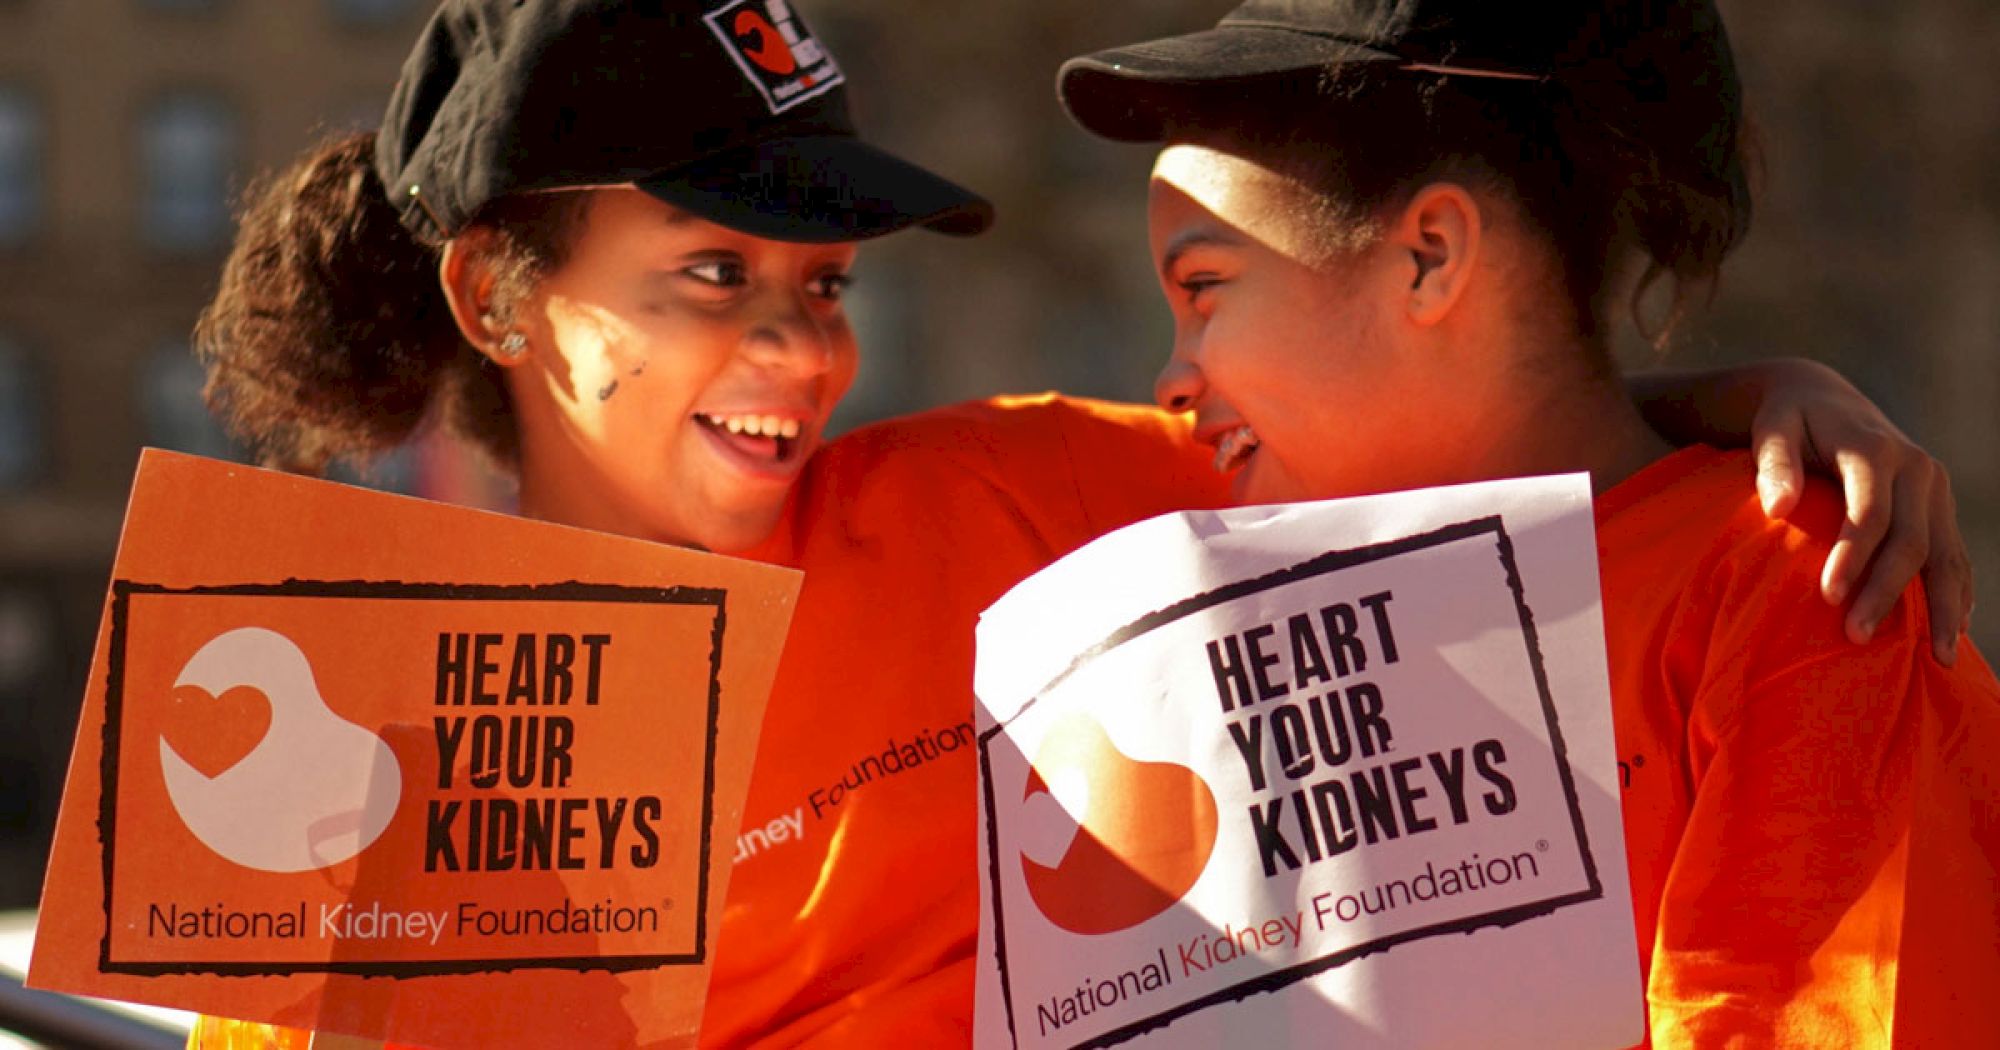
(952,475)
(1077,467)
(1018,426)
(1692,522)
(1731,599)
(1004,443)
(1758,568)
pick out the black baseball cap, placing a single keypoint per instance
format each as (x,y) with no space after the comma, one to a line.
(729,109)
(1666,65)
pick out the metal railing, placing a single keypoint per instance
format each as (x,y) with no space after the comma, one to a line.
(63,1021)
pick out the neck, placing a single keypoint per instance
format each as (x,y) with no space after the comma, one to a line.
(1562,416)
(561,484)
(1597,429)
(569,494)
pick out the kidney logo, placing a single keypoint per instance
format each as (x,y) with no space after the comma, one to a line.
(760,43)
(261,770)
(1145,831)
(775,52)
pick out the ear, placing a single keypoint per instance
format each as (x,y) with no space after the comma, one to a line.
(468,284)
(1440,233)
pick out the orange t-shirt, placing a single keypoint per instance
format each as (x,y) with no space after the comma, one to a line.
(852,909)
(1812,826)
(1806,819)
(851,921)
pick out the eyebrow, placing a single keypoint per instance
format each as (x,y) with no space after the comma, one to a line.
(1192,239)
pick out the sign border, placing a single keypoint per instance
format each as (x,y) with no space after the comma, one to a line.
(1319,565)
(122,591)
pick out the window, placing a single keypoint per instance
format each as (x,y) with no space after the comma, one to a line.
(20,166)
(188,147)
(23,447)
(170,405)
(32,648)
(370,12)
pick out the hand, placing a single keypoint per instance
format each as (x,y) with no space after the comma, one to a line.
(1901,516)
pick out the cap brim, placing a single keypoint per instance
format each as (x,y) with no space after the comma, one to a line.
(1133,93)
(819,190)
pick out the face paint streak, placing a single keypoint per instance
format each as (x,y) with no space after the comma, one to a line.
(604,394)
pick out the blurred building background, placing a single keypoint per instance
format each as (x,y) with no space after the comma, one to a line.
(127,125)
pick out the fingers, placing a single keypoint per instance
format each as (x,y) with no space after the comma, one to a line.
(1779,438)
(1898,558)
(1871,495)
(1947,575)
(1901,516)
(1948,609)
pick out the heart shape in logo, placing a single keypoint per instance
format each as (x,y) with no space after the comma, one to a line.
(213,733)
(1142,842)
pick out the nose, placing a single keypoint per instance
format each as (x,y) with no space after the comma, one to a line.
(1179,385)
(790,338)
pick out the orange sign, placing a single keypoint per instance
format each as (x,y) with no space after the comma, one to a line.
(372,765)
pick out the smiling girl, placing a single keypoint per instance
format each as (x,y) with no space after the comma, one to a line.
(698,368)
(1393,238)
(605,242)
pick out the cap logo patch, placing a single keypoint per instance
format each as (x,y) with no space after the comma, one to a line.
(775,50)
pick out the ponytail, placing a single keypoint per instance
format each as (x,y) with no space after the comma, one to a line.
(329,336)
(1686,218)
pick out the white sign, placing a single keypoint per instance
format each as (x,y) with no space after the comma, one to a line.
(1332,774)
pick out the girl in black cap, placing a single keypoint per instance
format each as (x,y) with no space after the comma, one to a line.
(1427,215)
(620,276)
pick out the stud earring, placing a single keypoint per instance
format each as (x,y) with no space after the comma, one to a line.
(513,345)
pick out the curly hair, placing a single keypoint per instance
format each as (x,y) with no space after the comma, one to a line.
(330,338)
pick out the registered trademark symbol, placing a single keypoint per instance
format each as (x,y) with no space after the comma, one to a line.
(1541,845)
(1638,760)
(666,904)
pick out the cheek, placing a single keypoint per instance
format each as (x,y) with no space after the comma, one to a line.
(667,360)
(589,344)
(1261,363)
(1292,376)
(846,365)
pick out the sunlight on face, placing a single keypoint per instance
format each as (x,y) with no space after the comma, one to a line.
(1260,203)
(1284,358)
(683,375)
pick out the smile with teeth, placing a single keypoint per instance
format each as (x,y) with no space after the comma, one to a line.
(762,439)
(1234,448)
(754,426)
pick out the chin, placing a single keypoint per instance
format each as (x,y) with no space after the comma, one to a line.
(733,532)
(1254,485)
